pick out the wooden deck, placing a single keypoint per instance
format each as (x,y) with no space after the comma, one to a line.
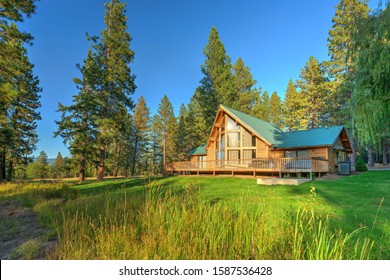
(250,166)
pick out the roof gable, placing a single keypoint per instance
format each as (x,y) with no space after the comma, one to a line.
(263,129)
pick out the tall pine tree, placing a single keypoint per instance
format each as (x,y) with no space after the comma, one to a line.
(78,125)
(217,85)
(117,82)
(313,88)
(167,127)
(141,130)
(244,84)
(276,110)
(19,90)
(294,108)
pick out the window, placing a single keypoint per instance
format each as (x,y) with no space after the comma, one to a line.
(249,154)
(234,154)
(248,140)
(222,141)
(290,154)
(234,139)
(232,125)
(303,154)
(296,154)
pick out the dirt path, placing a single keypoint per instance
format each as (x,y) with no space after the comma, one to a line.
(21,237)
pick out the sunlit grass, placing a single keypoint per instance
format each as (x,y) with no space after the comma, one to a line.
(213,218)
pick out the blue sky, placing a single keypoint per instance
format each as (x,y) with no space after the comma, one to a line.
(274,38)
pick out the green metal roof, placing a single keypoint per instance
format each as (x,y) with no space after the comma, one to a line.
(309,138)
(201,150)
(264,129)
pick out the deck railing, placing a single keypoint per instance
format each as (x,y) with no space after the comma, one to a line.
(289,165)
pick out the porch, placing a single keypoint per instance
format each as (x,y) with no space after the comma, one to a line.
(275,166)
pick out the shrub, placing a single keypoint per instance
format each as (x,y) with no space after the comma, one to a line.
(360,165)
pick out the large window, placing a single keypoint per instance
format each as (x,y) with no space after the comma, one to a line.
(234,142)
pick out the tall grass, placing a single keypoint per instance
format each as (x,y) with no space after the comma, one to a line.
(163,224)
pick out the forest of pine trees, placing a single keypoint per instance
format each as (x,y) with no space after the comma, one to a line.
(109,134)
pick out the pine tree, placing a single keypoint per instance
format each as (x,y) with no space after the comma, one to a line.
(183,134)
(19,90)
(43,165)
(313,88)
(156,152)
(59,166)
(141,125)
(293,108)
(262,107)
(198,131)
(276,110)
(167,127)
(116,81)
(340,66)
(78,125)
(217,85)
(244,88)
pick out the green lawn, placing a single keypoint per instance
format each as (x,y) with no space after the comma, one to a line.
(213,217)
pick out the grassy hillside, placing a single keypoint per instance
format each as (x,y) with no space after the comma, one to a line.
(213,218)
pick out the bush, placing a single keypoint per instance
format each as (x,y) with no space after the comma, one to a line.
(360,165)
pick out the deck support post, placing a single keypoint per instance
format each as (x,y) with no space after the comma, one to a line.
(213,172)
(197,173)
(232,173)
(254,173)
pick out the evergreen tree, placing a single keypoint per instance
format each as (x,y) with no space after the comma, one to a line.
(39,169)
(293,108)
(79,122)
(198,131)
(217,85)
(116,81)
(59,166)
(98,117)
(19,90)
(183,134)
(262,107)
(156,153)
(313,86)
(141,125)
(276,110)
(167,127)
(340,66)
(244,88)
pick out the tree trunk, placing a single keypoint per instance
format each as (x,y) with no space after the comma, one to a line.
(164,157)
(370,156)
(100,171)
(82,170)
(10,170)
(354,153)
(385,147)
(2,167)
(134,156)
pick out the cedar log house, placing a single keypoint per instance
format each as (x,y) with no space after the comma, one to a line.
(242,144)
